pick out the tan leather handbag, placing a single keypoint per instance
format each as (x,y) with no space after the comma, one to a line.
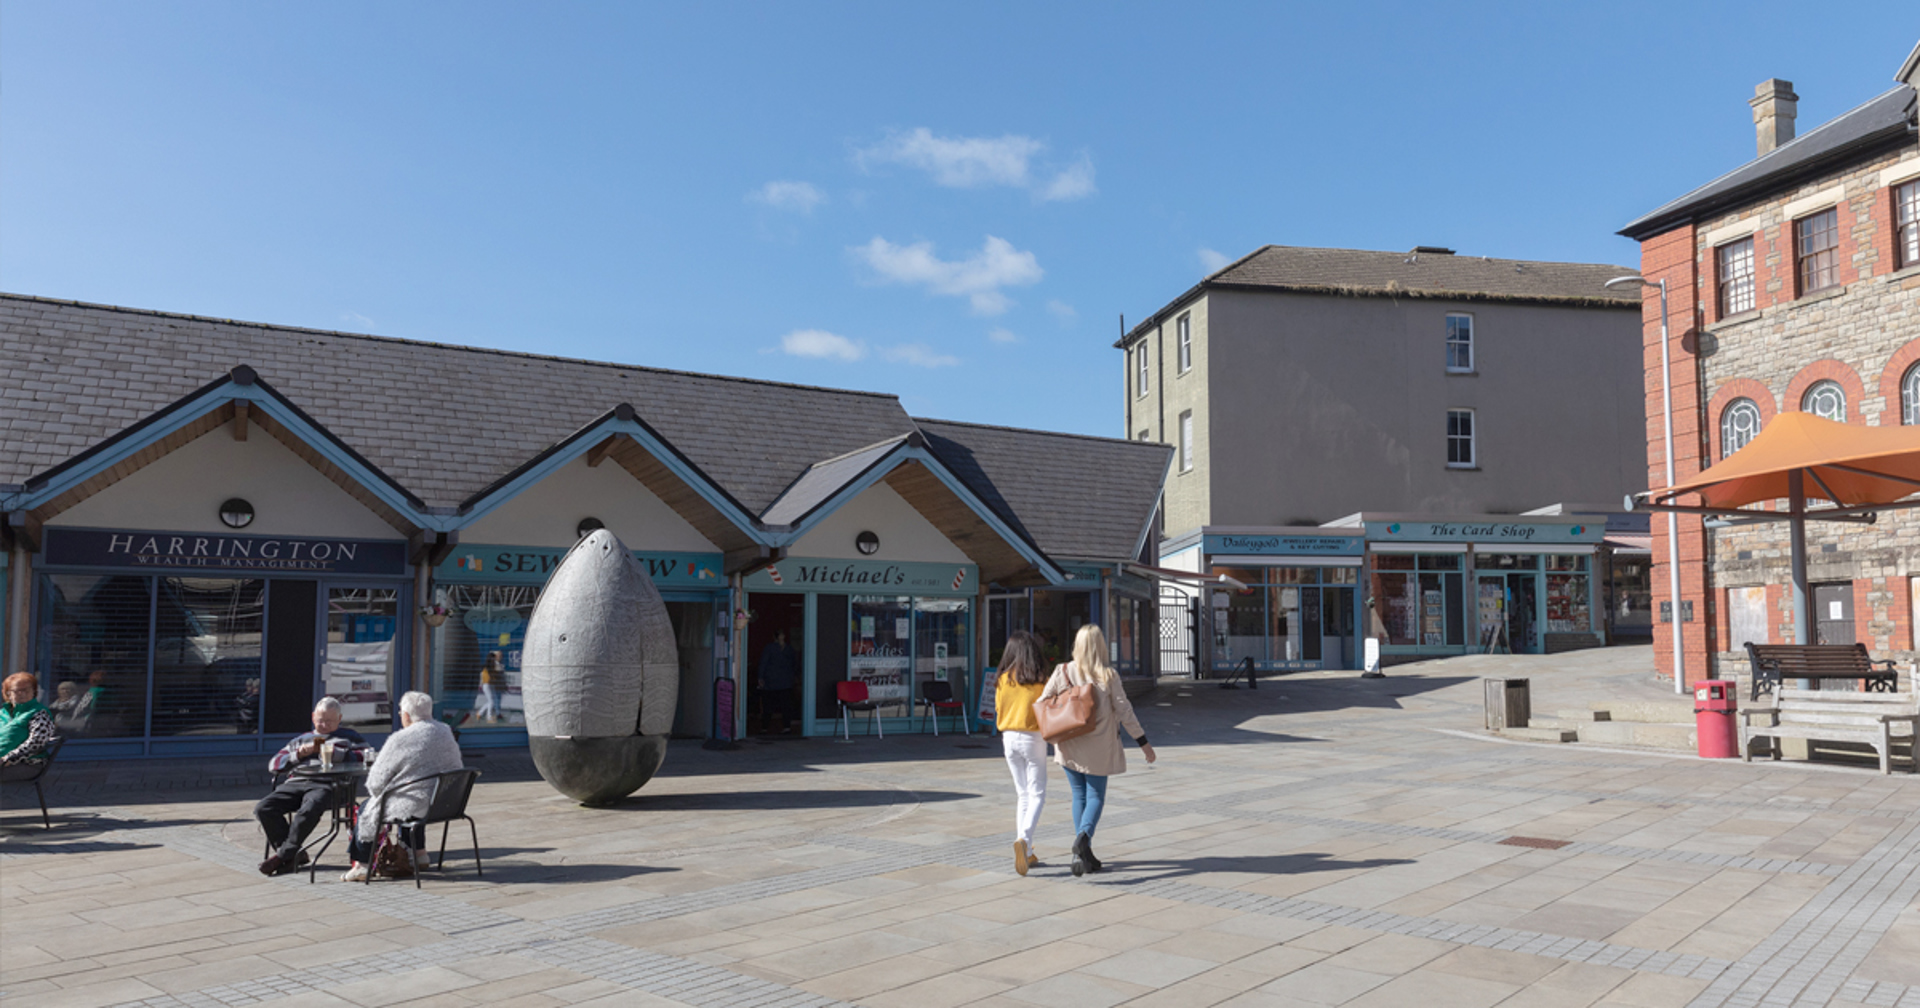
(1067,714)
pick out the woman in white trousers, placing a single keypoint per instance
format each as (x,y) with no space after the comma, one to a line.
(1023,675)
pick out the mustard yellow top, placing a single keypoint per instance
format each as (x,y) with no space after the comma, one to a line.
(1013,705)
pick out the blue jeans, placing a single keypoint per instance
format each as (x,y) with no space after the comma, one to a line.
(1089,798)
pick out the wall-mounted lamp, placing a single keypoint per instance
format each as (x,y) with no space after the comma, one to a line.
(586,526)
(867,543)
(236,513)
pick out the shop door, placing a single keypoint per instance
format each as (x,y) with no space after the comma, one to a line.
(357,663)
(1833,613)
(1336,628)
(1523,624)
(776,640)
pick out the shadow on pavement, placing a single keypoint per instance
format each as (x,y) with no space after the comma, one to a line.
(1134,872)
(524,872)
(778,800)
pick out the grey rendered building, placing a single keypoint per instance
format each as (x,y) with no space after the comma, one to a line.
(1305,386)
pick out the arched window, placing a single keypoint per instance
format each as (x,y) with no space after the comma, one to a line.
(1910,397)
(1826,399)
(1738,424)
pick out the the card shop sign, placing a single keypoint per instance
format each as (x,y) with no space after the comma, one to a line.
(198,551)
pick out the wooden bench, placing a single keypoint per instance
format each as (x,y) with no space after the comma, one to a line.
(1774,662)
(1834,716)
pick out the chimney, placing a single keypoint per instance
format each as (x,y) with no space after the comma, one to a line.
(1774,105)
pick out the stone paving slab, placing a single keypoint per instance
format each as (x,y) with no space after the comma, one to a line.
(1321,840)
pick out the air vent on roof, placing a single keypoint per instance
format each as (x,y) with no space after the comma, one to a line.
(1431,250)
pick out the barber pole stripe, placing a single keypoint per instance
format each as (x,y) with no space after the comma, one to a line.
(774,573)
(958,577)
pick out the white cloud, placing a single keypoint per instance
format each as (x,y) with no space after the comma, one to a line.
(1212,261)
(974,162)
(800,197)
(919,355)
(822,344)
(1001,334)
(1063,311)
(1075,182)
(978,278)
(354,318)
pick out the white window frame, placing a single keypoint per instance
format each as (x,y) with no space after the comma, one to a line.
(1739,422)
(1142,370)
(1467,343)
(1910,397)
(1736,294)
(1906,224)
(1186,441)
(1825,386)
(1472,439)
(1184,343)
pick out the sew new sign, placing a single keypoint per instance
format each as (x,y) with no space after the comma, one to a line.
(476,564)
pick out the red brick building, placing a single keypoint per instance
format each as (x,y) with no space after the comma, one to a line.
(1793,283)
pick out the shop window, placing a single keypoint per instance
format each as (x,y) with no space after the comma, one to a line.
(1906,227)
(1506,561)
(1816,241)
(1735,262)
(1460,449)
(1632,601)
(1568,610)
(880,654)
(476,655)
(1127,636)
(1459,343)
(1186,441)
(1826,399)
(1910,397)
(362,627)
(206,655)
(94,644)
(1423,608)
(940,645)
(1739,424)
(1058,616)
(1567,561)
(1185,352)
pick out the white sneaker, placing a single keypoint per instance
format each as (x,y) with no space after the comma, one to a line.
(357,873)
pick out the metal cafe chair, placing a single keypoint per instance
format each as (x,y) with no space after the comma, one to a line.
(39,771)
(853,697)
(937,697)
(448,802)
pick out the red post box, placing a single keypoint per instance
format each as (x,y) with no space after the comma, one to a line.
(1713,705)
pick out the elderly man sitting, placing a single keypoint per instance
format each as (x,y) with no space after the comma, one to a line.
(400,784)
(303,798)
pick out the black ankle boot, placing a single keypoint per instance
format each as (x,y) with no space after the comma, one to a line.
(1082,852)
(1094,864)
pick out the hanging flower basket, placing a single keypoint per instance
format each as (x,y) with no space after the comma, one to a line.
(434,613)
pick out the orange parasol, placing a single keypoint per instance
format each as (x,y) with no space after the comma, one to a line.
(1860,470)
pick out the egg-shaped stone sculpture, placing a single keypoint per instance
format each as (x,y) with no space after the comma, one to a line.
(600,674)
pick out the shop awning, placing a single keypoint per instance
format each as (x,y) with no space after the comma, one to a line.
(1169,574)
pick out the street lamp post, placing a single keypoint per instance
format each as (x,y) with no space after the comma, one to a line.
(1673,521)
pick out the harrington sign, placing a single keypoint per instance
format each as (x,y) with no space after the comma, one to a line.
(202,551)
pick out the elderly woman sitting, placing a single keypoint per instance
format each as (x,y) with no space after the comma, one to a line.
(422,748)
(26,727)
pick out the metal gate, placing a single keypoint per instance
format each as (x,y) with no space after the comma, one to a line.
(1179,633)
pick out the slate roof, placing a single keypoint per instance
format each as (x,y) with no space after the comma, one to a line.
(446,422)
(443,421)
(1880,121)
(1421,273)
(1073,495)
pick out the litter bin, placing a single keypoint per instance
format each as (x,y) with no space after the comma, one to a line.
(1509,703)
(1713,705)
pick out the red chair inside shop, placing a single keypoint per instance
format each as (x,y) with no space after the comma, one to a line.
(853,697)
(937,697)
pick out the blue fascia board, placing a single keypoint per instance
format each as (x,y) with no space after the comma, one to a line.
(583,443)
(194,409)
(887,464)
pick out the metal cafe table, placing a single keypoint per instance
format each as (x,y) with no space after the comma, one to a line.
(344,781)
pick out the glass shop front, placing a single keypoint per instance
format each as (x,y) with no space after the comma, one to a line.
(1057,614)
(1482,587)
(176,643)
(903,631)
(489,593)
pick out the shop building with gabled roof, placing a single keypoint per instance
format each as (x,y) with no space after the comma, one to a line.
(209,523)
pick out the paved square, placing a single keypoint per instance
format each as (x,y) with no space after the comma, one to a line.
(1324,840)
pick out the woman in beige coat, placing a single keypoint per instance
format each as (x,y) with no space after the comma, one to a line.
(1090,759)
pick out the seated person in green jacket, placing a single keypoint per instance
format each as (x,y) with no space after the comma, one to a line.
(26,727)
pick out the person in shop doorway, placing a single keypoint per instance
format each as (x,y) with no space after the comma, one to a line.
(778,664)
(1023,674)
(1092,758)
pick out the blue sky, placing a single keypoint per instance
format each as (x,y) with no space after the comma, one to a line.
(952,202)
